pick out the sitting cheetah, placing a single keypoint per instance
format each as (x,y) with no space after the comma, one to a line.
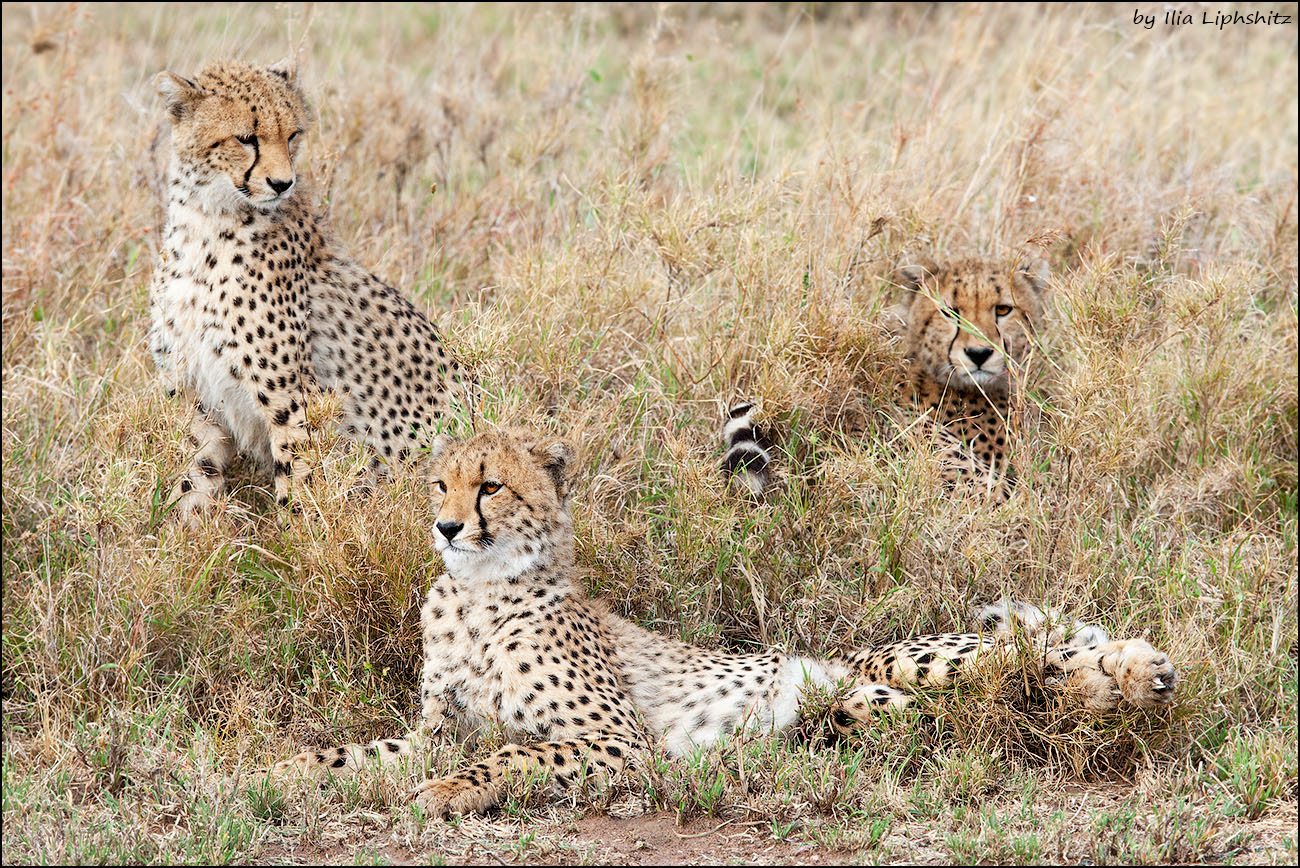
(966,327)
(510,637)
(254,306)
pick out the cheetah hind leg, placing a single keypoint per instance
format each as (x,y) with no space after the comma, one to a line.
(1082,659)
(1048,628)
(481,786)
(1104,675)
(196,493)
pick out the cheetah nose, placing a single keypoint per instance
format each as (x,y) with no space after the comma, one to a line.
(449,529)
(979,355)
(279,186)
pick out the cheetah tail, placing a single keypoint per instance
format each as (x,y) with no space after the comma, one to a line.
(748,459)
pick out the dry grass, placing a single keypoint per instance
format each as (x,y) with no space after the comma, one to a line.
(623,216)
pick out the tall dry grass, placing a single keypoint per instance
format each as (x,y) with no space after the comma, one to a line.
(622,216)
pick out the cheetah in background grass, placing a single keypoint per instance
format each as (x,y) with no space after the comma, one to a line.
(966,331)
(254,306)
(510,637)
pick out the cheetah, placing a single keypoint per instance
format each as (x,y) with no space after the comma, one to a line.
(966,330)
(254,307)
(510,638)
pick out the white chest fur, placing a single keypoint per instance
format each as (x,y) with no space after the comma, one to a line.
(204,302)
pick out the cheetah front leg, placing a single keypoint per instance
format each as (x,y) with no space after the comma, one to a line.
(959,468)
(197,490)
(481,786)
(374,474)
(288,433)
(349,758)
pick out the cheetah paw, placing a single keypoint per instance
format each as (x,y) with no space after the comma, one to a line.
(1145,676)
(297,766)
(192,502)
(441,798)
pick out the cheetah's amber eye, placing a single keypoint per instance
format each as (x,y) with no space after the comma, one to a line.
(949,312)
(294,135)
(246,140)
(1002,309)
(442,486)
(491,487)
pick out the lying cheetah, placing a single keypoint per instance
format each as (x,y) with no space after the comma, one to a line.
(509,637)
(966,328)
(254,306)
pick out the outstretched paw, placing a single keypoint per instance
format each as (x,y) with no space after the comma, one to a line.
(1102,677)
(1144,675)
(317,762)
(454,795)
(305,764)
(292,768)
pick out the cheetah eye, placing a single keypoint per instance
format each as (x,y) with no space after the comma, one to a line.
(293,135)
(1002,309)
(442,486)
(491,487)
(246,140)
(949,312)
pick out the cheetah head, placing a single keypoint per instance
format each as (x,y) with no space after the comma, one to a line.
(235,131)
(969,323)
(501,501)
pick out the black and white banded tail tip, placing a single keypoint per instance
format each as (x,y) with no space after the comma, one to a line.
(748,459)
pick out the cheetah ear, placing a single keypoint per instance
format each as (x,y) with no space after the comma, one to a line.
(556,457)
(912,275)
(287,69)
(440,444)
(179,94)
(909,279)
(1034,274)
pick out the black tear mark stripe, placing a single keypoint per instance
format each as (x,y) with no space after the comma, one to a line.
(257,155)
(956,324)
(485,537)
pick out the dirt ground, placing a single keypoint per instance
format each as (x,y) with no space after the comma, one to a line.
(648,839)
(656,839)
